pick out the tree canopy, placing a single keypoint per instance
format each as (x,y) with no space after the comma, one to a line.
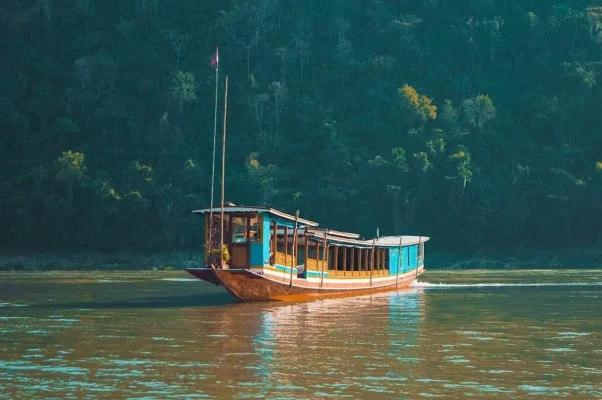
(475,123)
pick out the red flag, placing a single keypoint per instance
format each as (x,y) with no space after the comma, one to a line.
(215,59)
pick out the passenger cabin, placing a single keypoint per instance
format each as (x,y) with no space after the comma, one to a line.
(264,239)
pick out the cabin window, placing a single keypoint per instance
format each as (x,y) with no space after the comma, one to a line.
(311,253)
(421,251)
(239,230)
(255,229)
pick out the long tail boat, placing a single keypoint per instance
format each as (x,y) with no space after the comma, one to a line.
(277,256)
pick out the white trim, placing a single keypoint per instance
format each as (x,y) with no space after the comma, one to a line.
(352,280)
(334,234)
(338,289)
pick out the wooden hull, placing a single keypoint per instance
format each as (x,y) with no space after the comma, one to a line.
(248,285)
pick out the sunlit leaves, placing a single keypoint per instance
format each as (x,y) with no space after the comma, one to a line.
(377,162)
(449,115)
(422,161)
(479,110)
(420,103)
(71,167)
(141,173)
(183,88)
(584,72)
(594,22)
(253,163)
(71,171)
(399,159)
(464,164)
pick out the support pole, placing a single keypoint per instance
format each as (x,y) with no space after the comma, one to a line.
(419,241)
(306,250)
(372,262)
(274,243)
(344,261)
(294,255)
(285,252)
(325,256)
(398,261)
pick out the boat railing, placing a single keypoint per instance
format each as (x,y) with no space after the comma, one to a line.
(284,259)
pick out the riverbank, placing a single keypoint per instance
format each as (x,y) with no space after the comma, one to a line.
(90,261)
(519,258)
(582,258)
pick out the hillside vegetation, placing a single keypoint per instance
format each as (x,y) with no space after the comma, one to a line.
(477,123)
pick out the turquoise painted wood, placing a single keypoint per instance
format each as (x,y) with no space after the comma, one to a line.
(413,257)
(260,252)
(256,257)
(405,259)
(286,269)
(314,274)
(267,236)
(393,261)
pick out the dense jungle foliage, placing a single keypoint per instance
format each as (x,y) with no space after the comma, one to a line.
(475,122)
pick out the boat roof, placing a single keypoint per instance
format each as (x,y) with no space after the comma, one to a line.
(394,241)
(232,208)
(384,241)
(308,228)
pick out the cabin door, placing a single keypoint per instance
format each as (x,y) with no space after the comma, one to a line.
(239,243)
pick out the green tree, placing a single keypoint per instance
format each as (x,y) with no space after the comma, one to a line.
(183,88)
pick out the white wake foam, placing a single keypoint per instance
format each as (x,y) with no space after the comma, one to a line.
(179,279)
(431,285)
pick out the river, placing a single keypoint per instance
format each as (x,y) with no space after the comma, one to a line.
(159,334)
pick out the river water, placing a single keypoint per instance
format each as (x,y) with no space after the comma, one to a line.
(500,334)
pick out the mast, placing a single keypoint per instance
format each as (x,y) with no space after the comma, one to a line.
(210,246)
(221,252)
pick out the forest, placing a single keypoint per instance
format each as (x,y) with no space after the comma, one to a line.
(475,122)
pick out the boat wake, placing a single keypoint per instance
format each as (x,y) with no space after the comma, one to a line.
(179,279)
(431,285)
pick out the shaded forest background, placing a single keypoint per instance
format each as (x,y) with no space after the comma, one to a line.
(477,123)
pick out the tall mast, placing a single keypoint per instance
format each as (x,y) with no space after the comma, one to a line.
(223,177)
(210,246)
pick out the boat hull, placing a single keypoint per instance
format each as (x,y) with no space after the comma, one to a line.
(248,285)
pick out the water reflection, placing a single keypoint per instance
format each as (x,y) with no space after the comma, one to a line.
(136,337)
(337,346)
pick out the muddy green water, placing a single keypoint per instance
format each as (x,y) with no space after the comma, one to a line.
(502,334)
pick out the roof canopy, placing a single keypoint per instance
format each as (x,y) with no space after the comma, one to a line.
(385,241)
(331,236)
(231,208)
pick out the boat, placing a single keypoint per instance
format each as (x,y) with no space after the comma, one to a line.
(268,255)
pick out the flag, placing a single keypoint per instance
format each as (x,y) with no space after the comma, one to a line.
(215,59)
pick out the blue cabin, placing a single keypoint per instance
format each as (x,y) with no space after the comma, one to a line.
(264,239)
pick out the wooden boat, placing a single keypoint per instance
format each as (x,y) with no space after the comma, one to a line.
(277,256)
